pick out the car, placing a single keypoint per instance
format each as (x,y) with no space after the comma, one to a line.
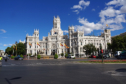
(117,53)
(68,56)
(6,58)
(122,56)
(71,56)
(106,55)
(100,56)
(9,55)
(92,56)
(18,58)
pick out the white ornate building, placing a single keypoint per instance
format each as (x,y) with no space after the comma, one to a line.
(76,40)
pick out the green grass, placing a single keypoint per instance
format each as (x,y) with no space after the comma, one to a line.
(101,62)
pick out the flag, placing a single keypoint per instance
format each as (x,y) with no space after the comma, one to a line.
(38,43)
(16,47)
(65,44)
(30,44)
(67,47)
(61,44)
(107,25)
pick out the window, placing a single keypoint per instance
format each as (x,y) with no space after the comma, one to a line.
(71,31)
(81,43)
(30,46)
(37,46)
(30,39)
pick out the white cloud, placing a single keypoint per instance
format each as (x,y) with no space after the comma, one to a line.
(3,30)
(77,12)
(65,31)
(5,45)
(10,44)
(82,5)
(109,15)
(93,9)
(88,27)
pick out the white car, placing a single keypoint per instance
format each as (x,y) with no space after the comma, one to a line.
(71,55)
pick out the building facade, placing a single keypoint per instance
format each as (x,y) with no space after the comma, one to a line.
(54,42)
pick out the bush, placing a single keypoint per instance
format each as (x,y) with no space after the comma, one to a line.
(62,54)
(38,56)
(12,57)
(35,54)
(29,54)
(66,55)
(21,56)
(55,56)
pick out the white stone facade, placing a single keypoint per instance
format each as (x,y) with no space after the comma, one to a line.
(76,40)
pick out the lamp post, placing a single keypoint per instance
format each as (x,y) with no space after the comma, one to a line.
(16,47)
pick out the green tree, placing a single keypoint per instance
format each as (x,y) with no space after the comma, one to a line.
(20,48)
(118,43)
(90,48)
(9,50)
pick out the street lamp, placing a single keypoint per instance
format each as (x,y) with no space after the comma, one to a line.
(16,47)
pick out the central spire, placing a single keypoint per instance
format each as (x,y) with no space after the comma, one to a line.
(56,22)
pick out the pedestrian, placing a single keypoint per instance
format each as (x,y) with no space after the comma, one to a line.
(5,59)
(1,58)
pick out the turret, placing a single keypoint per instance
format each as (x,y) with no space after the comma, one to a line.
(36,33)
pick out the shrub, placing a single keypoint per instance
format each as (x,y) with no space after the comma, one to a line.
(21,56)
(55,56)
(66,55)
(38,56)
(29,54)
(12,57)
(62,54)
(35,54)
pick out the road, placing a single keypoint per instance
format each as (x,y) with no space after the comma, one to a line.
(61,72)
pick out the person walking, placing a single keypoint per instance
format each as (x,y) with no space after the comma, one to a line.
(1,58)
(5,59)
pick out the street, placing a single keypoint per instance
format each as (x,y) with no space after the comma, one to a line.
(63,71)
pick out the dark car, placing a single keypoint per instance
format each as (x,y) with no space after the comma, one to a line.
(122,56)
(18,58)
(107,55)
(100,56)
(68,56)
(9,55)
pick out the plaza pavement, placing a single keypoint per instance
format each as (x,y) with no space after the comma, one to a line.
(52,71)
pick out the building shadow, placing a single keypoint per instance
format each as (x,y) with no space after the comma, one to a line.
(8,80)
(15,78)
(121,70)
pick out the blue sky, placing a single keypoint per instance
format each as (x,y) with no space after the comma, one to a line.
(19,17)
